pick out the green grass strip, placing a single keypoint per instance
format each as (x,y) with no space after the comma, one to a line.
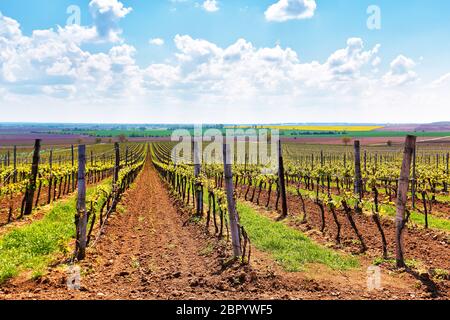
(34,246)
(289,247)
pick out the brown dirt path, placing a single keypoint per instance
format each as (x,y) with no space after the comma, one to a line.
(148,252)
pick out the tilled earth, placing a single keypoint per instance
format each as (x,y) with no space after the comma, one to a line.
(149,251)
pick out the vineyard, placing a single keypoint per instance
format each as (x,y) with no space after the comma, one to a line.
(225,159)
(233,227)
(27,186)
(325,194)
(55,177)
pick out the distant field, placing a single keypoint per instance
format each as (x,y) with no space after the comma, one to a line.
(362,134)
(334,134)
(126,133)
(316,128)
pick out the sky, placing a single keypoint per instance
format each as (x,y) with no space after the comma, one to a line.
(224,61)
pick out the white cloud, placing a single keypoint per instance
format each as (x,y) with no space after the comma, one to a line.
(445,79)
(347,63)
(401,72)
(51,62)
(211,5)
(285,10)
(106,15)
(156,41)
(52,67)
(9,28)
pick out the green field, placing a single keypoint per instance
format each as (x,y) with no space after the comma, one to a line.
(126,133)
(161,133)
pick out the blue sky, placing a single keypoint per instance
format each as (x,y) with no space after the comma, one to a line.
(301,60)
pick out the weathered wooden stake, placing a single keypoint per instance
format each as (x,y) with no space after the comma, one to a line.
(197,171)
(50,180)
(358,176)
(232,212)
(15,164)
(29,194)
(81,204)
(402,194)
(365,160)
(117,163)
(281,178)
(447,160)
(446,170)
(73,173)
(413,182)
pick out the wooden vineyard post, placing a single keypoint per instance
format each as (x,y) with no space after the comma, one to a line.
(358,176)
(91,177)
(50,180)
(29,194)
(281,178)
(376,161)
(402,195)
(15,164)
(81,216)
(73,173)
(126,157)
(197,171)
(413,182)
(365,160)
(232,212)
(116,165)
(447,160)
(446,170)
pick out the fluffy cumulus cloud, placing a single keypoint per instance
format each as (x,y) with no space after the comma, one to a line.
(54,65)
(9,28)
(106,15)
(348,63)
(442,81)
(157,41)
(285,10)
(211,5)
(401,72)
